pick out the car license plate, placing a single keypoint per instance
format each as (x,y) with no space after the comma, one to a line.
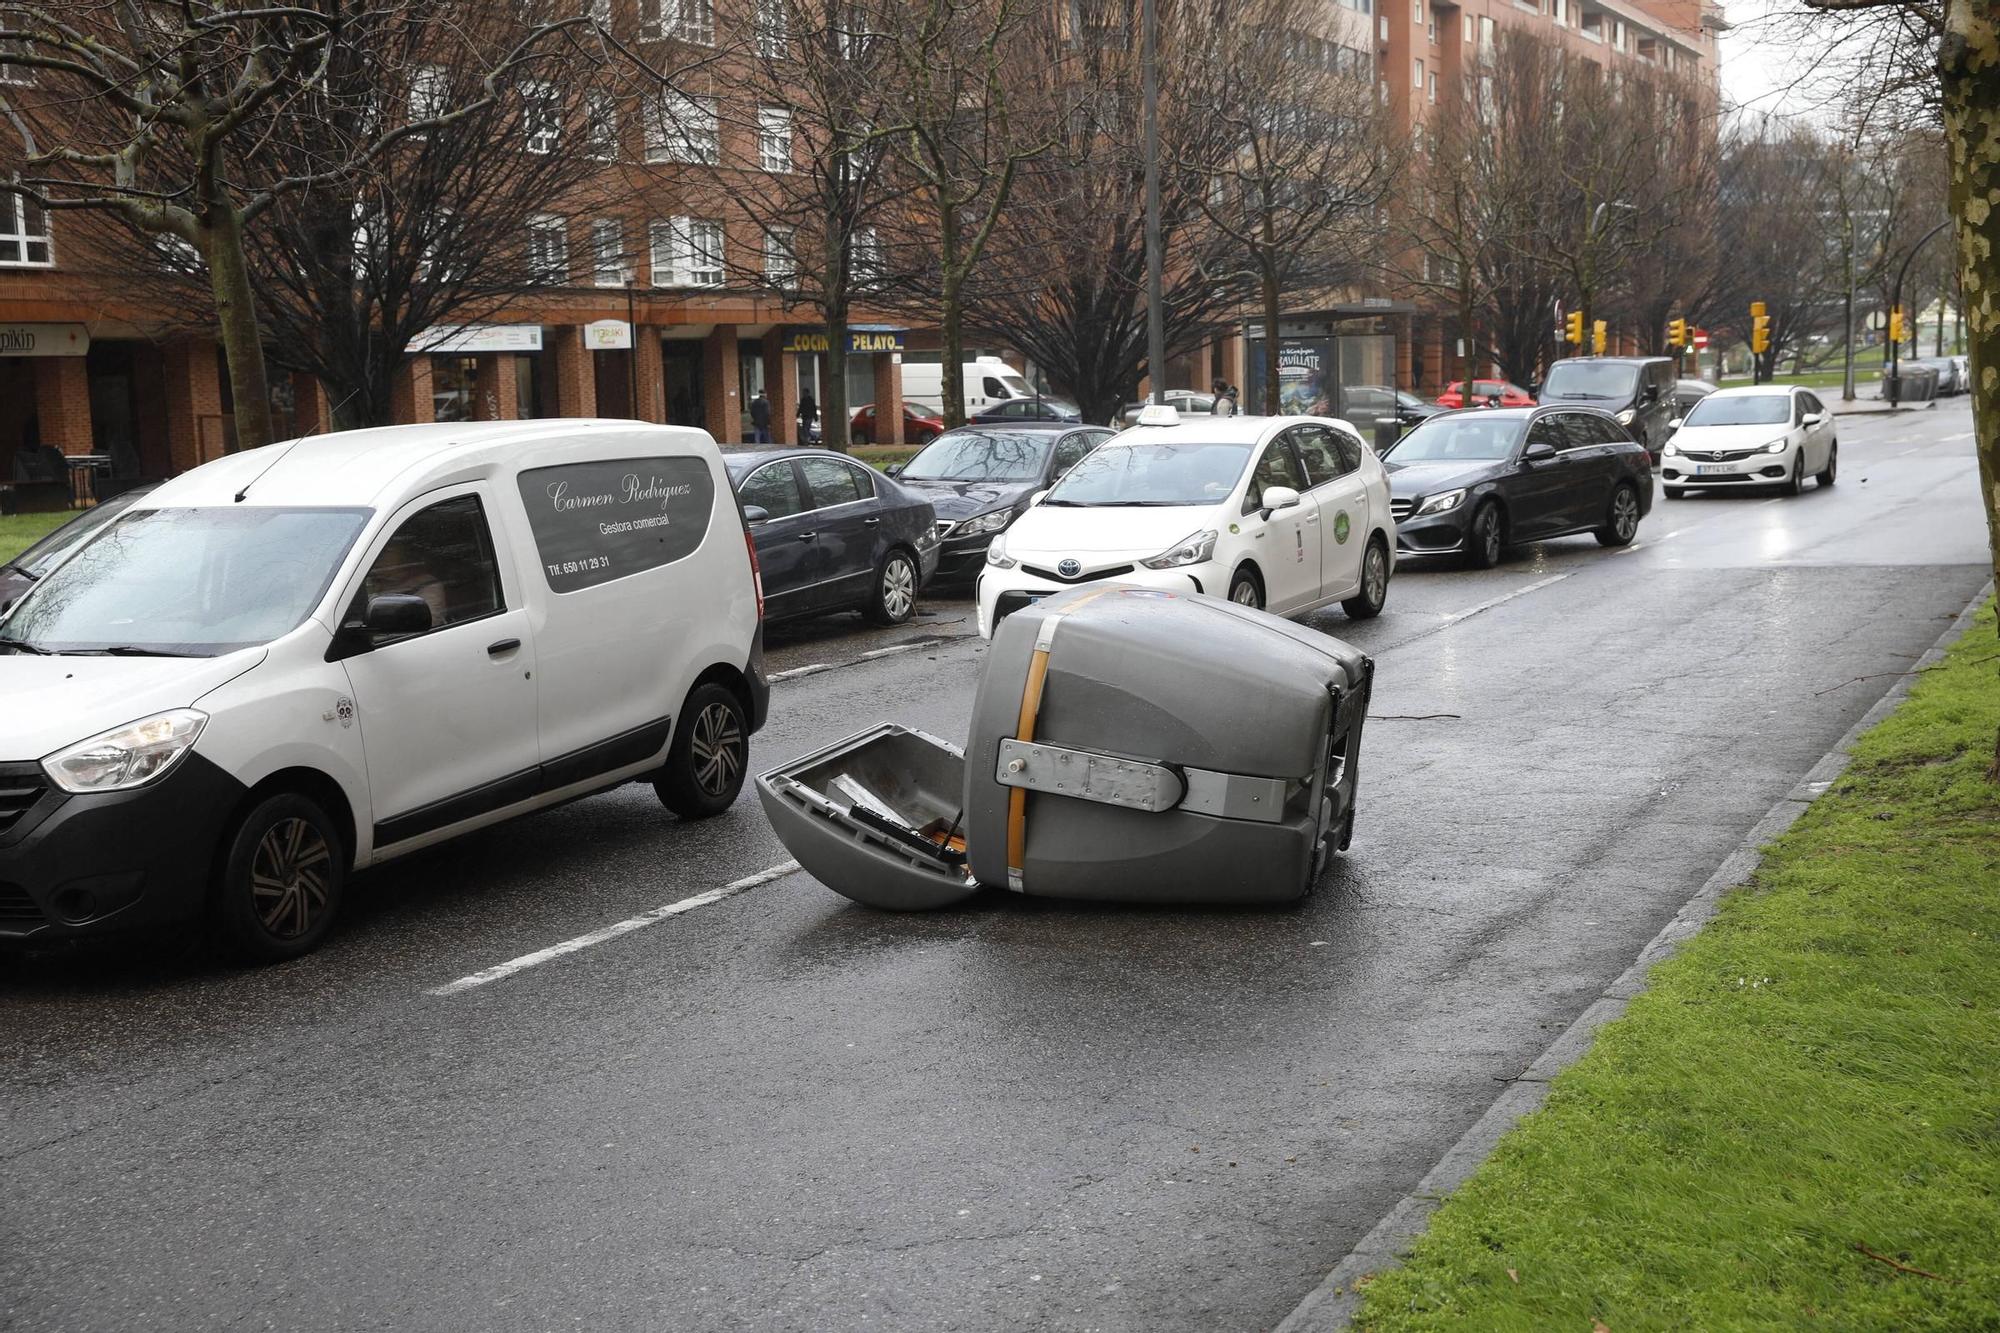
(1712,469)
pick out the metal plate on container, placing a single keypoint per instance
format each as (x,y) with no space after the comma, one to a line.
(1132,783)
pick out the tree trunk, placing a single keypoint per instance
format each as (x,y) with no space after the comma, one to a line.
(236,313)
(951,377)
(833,407)
(1969,70)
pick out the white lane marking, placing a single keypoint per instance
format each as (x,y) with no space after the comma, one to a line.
(1953,439)
(796,672)
(893,649)
(501,971)
(1471,611)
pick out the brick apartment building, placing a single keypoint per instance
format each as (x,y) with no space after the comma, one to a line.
(88,369)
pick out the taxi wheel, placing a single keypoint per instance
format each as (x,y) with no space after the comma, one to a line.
(280,881)
(1245,590)
(709,756)
(894,600)
(1367,604)
(1621,519)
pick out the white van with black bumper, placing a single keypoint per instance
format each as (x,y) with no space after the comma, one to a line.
(310,658)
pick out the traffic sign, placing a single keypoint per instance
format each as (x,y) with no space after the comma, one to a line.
(1700,339)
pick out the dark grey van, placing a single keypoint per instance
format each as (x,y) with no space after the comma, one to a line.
(1638,390)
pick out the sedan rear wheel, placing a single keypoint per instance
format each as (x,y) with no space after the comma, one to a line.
(1621,520)
(895,597)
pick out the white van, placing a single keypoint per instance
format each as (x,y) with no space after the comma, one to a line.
(988,381)
(310,658)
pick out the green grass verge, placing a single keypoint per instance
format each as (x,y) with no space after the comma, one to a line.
(1865,378)
(1817,1071)
(884,456)
(20,531)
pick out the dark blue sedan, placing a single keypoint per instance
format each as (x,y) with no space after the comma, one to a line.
(833,534)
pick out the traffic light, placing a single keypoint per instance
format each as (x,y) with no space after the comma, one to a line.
(1598,334)
(1760,329)
(1573,328)
(1677,333)
(1896,324)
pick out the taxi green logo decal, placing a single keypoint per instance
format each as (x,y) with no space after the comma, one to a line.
(1233,529)
(1340,526)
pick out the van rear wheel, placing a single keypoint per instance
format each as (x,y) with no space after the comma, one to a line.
(709,756)
(279,883)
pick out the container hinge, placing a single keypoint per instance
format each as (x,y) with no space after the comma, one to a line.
(1137,784)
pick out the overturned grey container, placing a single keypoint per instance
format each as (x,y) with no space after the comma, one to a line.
(1126,744)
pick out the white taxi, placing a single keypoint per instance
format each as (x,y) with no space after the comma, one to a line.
(1285,513)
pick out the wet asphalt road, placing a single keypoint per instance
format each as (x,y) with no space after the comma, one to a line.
(782,1111)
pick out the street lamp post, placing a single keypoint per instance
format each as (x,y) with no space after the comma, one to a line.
(1896,303)
(1156,318)
(1590,249)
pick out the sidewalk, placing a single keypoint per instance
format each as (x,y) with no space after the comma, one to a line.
(1862,407)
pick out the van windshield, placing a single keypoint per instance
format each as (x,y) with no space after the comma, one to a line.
(1590,379)
(186,582)
(1153,474)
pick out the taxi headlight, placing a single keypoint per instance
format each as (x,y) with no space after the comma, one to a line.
(128,756)
(1189,550)
(996,555)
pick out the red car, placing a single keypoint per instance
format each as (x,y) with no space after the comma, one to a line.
(917,427)
(1483,392)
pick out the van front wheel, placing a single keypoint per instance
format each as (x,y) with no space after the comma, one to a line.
(279,883)
(709,756)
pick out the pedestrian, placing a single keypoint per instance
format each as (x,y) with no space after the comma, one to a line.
(808,417)
(760,419)
(1235,399)
(1224,406)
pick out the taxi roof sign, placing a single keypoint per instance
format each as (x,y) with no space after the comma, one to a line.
(1159,414)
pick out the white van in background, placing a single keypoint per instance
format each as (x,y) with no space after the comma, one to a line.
(988,380)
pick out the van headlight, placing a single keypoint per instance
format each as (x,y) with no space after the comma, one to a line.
(1189,550)
(128,756)
(1442,503)
(987,522)
(1627,417)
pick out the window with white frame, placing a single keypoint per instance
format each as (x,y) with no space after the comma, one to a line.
(430,92)
(1560,12)
(867,253)
(1434,87)
(688,20)
(684,129)
(18,75)
(607,252)
(1416,74)
(548,248)
(781,262)
(774,37)
(24,234)
(600,111)
(687,252)
(774,138)
(856,34)
(541,115)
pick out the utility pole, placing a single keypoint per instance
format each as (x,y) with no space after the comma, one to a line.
(1847,356)
(1156,318)
(1895,308)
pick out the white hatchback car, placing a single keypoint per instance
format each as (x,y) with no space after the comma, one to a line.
(1285,513)
(1763,435)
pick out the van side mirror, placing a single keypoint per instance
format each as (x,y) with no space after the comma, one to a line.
(1279,497)
(1538,451)
(397,613)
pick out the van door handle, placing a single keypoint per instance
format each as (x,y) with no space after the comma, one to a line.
(504,646)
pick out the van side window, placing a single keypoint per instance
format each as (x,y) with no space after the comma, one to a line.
(774,488)
(993,388)
(830,481)
(444,555)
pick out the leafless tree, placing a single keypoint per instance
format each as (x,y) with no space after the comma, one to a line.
(167,115)
(1298,149)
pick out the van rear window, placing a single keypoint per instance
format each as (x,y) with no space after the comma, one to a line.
(595,522)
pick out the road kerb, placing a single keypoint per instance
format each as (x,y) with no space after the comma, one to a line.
(1331,1305)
